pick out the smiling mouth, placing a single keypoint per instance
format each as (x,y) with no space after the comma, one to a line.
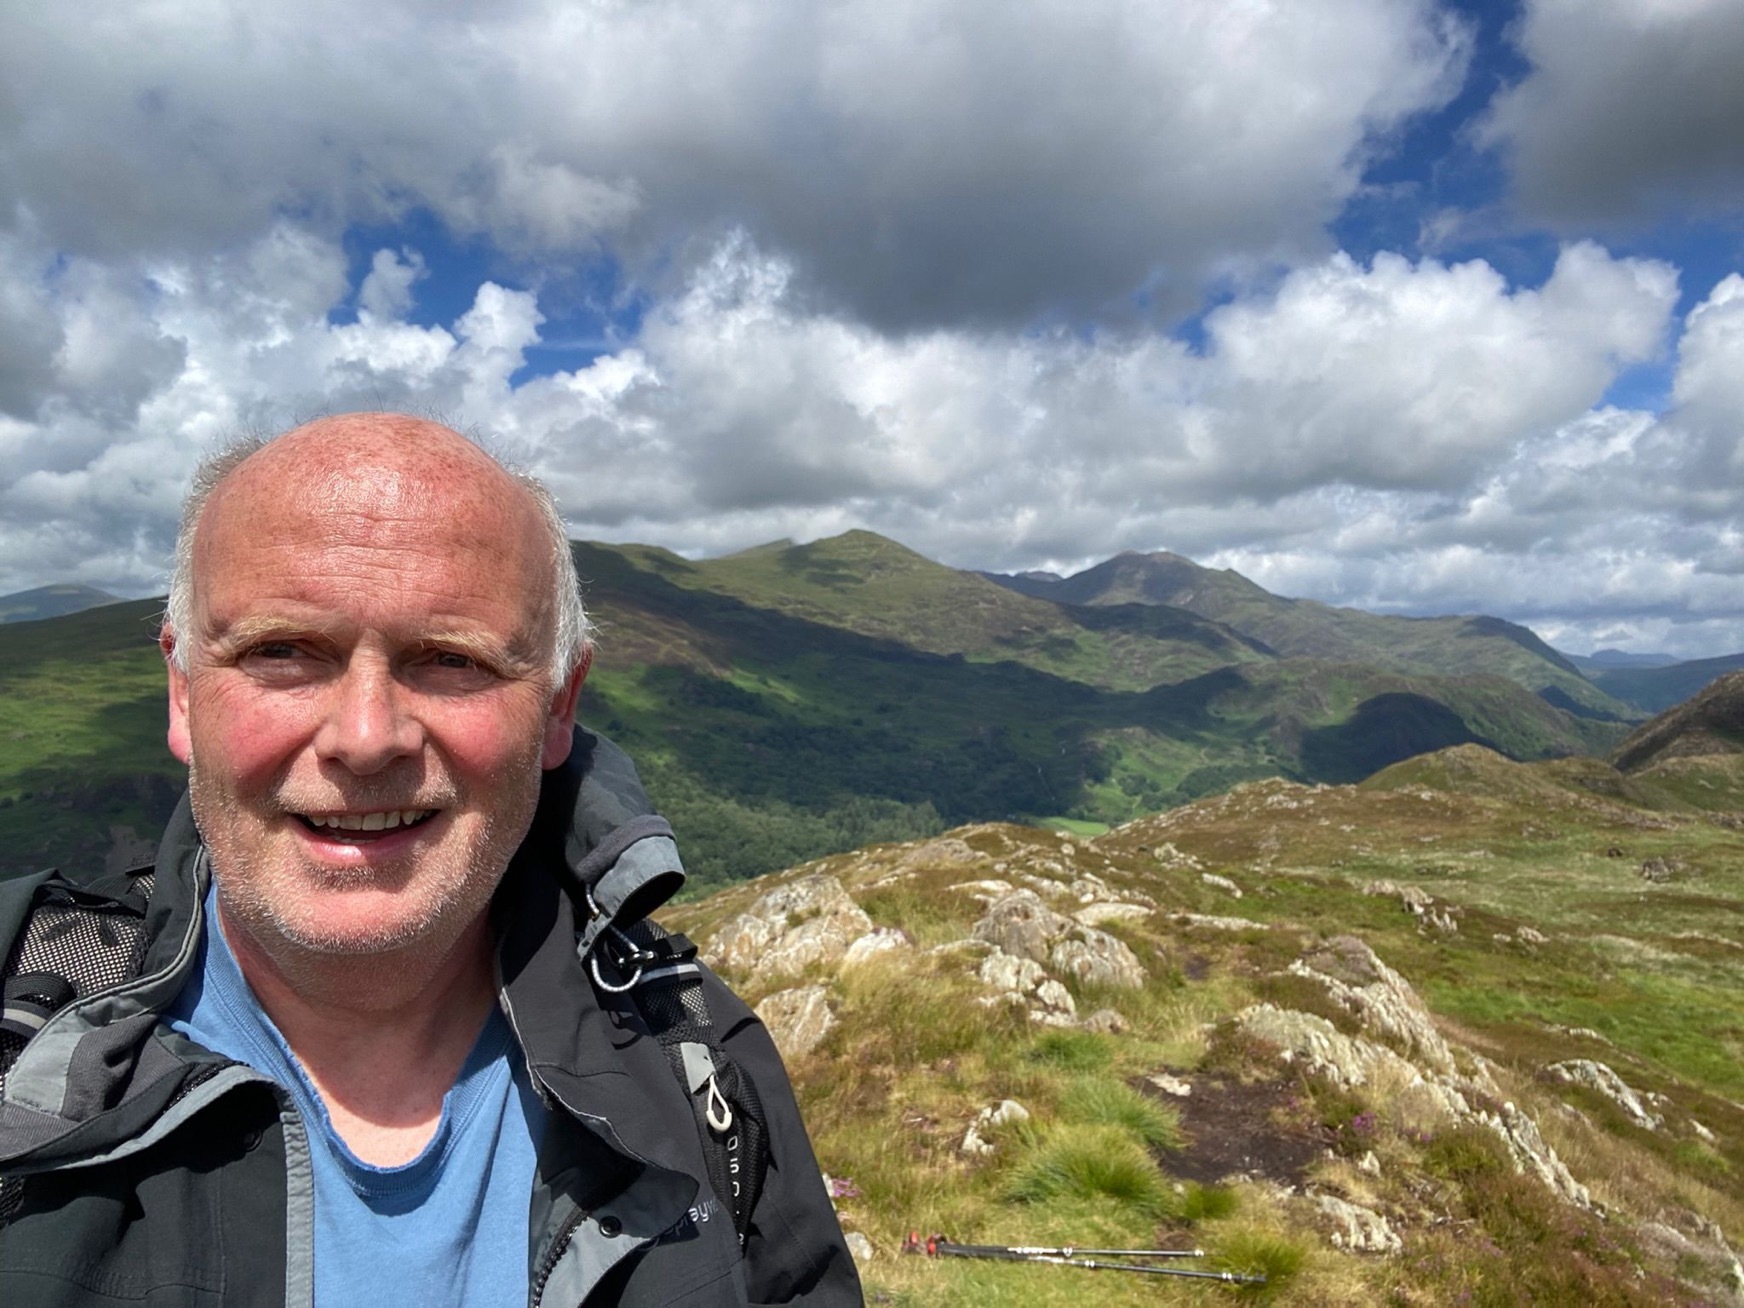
(364,825)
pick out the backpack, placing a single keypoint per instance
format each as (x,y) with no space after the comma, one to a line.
(620,862)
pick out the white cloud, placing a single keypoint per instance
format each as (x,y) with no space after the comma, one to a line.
(1632,107)
(1416,436)
(919,161)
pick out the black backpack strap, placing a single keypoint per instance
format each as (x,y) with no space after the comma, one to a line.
(723,1099)
(621,863)
(72,942)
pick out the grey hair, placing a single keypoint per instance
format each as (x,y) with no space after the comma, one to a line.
(573,630)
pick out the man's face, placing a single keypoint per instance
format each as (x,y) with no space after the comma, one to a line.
(368,701)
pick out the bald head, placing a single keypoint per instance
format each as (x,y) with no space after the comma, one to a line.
(364,466)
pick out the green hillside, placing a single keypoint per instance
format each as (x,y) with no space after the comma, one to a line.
(86,777)
(51,602)
(1470,1032)
(766,736)
(865,583)
(1451,646)
(791,701)
(1657,689)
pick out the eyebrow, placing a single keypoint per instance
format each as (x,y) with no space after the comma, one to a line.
(515,658)
(239,635)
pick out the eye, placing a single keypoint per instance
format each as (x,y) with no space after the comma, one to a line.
(447,658)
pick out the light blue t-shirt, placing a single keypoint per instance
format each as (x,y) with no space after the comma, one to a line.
(449,1227)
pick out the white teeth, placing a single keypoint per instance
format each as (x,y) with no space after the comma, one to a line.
(372,821)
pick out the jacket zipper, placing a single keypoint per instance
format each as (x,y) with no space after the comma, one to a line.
(549,1263)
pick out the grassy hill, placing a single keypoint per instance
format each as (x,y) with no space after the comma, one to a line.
(1657,689)
(1712,723)
(1470,1032)
(791,701)
(86,778)
(758,728)
(864,583)
(51,602)
(1453,646)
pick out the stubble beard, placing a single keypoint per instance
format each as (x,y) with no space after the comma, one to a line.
(268,891)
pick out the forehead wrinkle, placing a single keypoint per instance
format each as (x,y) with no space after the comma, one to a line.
(376,483)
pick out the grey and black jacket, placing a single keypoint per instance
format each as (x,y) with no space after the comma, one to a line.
(143,1169)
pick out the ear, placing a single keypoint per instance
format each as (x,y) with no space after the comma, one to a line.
(560,723)
(181,743)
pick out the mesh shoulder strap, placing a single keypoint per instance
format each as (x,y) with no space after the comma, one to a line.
(723,1099)
(72,943)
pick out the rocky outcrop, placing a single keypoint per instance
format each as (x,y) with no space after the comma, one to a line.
(1210,922)
(1599,1078)
(1344,1060)
(1354,1061)
(811,920)
(1356,1229)
(1024,982)
(878,942)
(1419,903)
(1097,914)
(1097,958)
(1021,925)
(1688,1238)
(798,1020)
(1533,1155)
(1378,997)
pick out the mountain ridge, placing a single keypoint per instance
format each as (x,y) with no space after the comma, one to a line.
(793,699)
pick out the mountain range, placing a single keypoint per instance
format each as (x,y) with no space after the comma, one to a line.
(792,699)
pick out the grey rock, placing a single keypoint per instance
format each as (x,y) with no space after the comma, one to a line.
(1105,1021)
(1021,925)
(1050,994)
(812,920)
(1599,1077)
(1210,922)
(1356,1229)
(798,1019)
(1096,914)
(1007,974)
(1097,958)
(1381,999)
(1224,884)
(1004,1113)
(880,941)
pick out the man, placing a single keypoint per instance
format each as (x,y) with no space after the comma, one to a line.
(361,1057)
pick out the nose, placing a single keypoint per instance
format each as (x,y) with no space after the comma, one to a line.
(368,723)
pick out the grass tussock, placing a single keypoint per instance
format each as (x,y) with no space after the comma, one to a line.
(1070,1051)
(1102,1163)
(1099,1102)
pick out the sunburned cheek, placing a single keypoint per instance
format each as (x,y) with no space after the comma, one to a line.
(251,737)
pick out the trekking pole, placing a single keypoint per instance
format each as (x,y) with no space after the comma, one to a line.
(1063,1251)
(939,1246)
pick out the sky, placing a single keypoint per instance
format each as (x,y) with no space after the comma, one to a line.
(1416,306)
